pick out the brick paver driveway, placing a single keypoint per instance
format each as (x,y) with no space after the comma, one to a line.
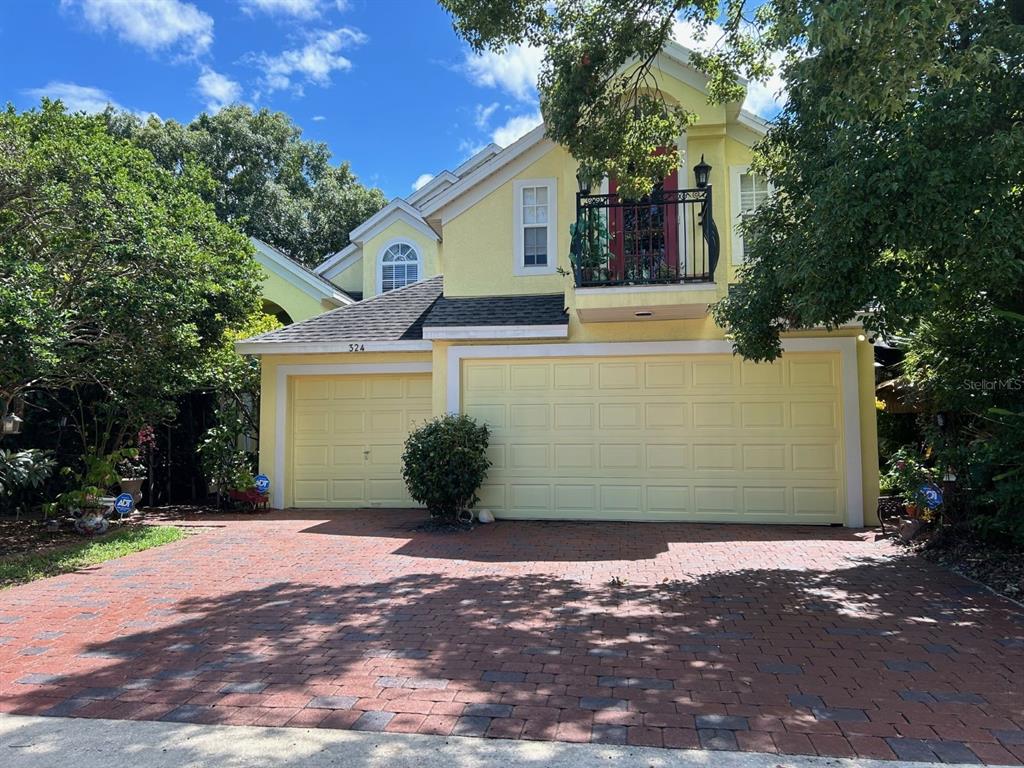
(788,639)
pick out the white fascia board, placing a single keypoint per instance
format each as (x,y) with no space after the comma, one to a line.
(480,157)
(273,260)
(503,175)
(336,257)
(353,257)
(752,122)
(397,209)
(470,180)
(431,188)
(253,347)
(497,332)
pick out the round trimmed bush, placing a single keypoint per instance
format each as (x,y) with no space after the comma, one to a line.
(445,463)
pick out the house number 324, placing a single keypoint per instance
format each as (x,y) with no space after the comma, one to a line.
(356,348)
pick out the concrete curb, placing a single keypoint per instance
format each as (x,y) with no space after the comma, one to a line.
(44,742)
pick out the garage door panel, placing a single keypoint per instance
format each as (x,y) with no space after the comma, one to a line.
(529,456)
(580,498)
(709,373)
(574,416)
(762,375)
(573,376)
(710,415)
(345,450)
(812,374)
(699,437)
(765,458)
(672,375)
(672,457)
(313,389)
(529,416)
(762,415)
(666,416)
(808,414)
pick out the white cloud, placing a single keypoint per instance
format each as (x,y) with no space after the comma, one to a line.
(482,115)
(217,90)
(150,24)
(301,9)
(515,71)
(318,118)
(763,98)
(421,181)
(515,128)
(81,98)
(313,63)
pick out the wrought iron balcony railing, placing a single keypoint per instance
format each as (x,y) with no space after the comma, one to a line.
(668,237)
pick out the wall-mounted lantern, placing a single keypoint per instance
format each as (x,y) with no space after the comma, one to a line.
(701,173)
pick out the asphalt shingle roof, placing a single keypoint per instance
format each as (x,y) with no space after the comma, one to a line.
(393,316)
(546,309)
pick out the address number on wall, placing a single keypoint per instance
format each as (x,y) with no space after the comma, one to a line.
(356,348)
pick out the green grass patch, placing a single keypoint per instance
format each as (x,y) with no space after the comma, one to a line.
(19,569)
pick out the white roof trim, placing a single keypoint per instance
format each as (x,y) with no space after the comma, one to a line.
(328,347)
(431,187)
(336,257)
(467,182)
(756,123)
(484,154)
(396,208)
(560,331)
(272,259)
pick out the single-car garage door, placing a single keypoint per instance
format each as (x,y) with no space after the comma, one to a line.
(347,437)
(696,437)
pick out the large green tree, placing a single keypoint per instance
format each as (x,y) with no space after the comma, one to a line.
(606,111)
(118,282)
(269,181)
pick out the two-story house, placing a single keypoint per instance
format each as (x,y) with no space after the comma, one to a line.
(575,324)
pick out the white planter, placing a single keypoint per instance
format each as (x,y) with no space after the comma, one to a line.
(133,485)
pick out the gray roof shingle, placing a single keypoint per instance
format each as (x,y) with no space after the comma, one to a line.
(393,316)
(548,309)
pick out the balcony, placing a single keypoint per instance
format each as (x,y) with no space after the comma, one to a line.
(653,258)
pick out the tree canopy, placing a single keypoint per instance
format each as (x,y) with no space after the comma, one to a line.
(610,115)
(117,280)
(268,181)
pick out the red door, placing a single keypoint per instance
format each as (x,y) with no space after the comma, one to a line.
(645,236)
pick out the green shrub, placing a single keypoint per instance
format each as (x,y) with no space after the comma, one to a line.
(444,464)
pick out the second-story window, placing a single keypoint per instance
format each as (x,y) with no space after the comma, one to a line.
(749,192)
(399,266)
(535,217)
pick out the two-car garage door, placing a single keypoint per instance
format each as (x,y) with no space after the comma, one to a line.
(700,437)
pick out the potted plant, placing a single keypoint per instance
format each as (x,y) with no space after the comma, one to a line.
(909,479)
(132,471)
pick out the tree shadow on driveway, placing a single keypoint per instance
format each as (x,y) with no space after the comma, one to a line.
(880,657)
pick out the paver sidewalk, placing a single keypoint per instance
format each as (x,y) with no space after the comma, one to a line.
(764,639)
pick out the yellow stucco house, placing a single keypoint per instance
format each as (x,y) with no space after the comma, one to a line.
(291,292)
(610,392)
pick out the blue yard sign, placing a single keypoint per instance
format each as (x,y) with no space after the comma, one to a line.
(262,483)
(124,504)
(932,496)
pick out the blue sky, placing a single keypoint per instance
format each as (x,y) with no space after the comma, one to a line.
(386,84)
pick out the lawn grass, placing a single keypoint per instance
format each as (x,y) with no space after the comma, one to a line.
(19,569)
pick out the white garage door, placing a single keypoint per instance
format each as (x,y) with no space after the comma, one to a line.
(699,437)
(347,437)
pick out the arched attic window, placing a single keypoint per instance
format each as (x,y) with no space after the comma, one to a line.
(399,266)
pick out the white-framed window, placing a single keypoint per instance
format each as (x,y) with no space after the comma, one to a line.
(748,192)
(399,265)
(535,217)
